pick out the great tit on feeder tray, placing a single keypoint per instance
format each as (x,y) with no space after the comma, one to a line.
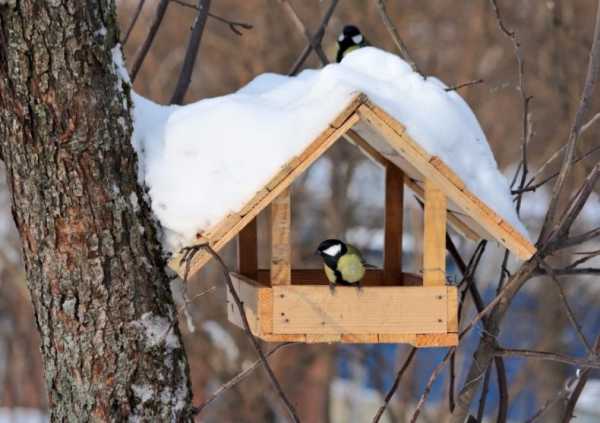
(342,263)
(350,39)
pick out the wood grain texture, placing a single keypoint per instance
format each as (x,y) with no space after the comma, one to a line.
(452,304)
(397,310)
(281,249)
(373,277)
(247,250)
(444,177)
(434,237)
(393,222)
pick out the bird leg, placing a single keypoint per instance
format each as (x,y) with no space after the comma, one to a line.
(332,288)
(359,287)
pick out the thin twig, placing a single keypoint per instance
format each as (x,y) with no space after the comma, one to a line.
(395,385)
(465,84)
(235,26)
(582,111)
(438,369)
(316,44)
(584,363)
(238,378)
(136,15)
(315,40)
(188,256)
(191,54)
(391,28)
(567,308)
(484,395)
(161,9)
(574,397)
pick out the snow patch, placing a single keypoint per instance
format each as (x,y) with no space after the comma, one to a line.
(142,392)
(157,329)
(205,160)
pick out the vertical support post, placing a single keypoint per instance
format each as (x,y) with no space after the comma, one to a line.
(394,216)
(281,250)
(434,239)
(247,251)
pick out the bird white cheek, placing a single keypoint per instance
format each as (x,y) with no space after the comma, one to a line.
(333,250)
(357,39)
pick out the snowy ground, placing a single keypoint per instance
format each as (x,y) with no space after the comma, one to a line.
(205,160)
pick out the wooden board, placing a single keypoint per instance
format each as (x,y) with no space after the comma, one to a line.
(373,277)
(393,222)
(454,220)
(394,133)
(259,306)
(247,253)
(314,310)
(434,238)
(281,249)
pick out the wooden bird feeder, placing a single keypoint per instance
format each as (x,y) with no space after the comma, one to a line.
(285,304)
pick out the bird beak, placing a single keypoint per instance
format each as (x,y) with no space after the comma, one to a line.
(317,253)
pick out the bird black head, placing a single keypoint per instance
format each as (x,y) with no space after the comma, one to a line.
(332,248)
(350,38)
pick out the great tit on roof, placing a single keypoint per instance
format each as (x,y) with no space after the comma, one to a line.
(342,263)
(350,39)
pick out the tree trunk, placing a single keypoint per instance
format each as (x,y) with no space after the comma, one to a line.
(109,337)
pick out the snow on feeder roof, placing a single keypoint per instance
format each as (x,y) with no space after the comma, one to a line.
(213,165)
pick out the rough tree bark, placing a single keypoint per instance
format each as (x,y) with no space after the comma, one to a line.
(110,342)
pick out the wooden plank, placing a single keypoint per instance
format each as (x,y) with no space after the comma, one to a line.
(355,338)
(457,224)
(281,249)
(453,220)
(436,340)
(314,310)
(393,221)
(317,338)
(366,148)
(247,252)
(356,101)
(434,238)
(373,277)
(270,337)
(265,310)
(447,172)
(452,309)
(467,202)
(307,158)
(394,338)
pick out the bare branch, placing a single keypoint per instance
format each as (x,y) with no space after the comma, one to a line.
(574,397)
(550,356)
(576,205)
(578,239)
(436,372)
(191,54)
(316,44)
(584,105)
(188,255)
(239,377)
(567,308)
(315,40)
(136,15)
(395,385)
(391,28)
(465,84)
(531,187)
(161,9)
(235,26)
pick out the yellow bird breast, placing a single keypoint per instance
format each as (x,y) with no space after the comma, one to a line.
(351,268)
